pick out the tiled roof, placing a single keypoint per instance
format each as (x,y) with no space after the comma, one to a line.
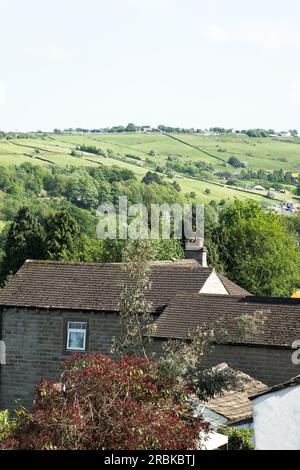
(95,286)
(294,382)
(235,404)
(280,327)
(232,288)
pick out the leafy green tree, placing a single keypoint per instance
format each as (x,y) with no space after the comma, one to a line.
(234,161)
(135,310)
(294,132)
(131,127)
(176,186)
(256,249)
(113,250)
(90,249)
(25,240)
(82,191)
(152,177)
(62,237)
(167,250)
(180,361)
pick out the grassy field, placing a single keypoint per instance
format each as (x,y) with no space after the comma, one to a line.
(267,154)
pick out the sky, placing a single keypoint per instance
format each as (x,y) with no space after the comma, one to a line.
(186,63)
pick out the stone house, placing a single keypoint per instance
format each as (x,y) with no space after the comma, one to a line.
(51,309)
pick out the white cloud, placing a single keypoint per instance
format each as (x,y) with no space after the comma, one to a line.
(2,92)
(275,35)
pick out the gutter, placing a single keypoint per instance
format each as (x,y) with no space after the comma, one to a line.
(248,345)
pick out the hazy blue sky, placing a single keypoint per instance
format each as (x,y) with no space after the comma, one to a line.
(92,63)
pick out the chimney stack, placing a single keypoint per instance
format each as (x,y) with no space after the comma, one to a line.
(195,249)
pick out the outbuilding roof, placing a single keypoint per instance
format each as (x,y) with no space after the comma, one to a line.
(235,405)
(294,382)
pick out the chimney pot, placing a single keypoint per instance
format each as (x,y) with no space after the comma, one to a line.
(195,249)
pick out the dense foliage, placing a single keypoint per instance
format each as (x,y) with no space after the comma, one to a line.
(238,439)
(59,237)
(49,212)
(102,404)
(256,249)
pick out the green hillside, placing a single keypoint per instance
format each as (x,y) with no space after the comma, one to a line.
(144,152)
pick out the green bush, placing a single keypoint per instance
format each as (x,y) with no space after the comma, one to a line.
(238,439)
(5,424)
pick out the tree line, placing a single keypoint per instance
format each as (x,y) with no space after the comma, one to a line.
(257,249)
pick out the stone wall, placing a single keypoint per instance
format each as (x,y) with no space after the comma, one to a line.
(271,366)
(36,345)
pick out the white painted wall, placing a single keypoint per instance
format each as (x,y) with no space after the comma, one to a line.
(277,420)
(214,285)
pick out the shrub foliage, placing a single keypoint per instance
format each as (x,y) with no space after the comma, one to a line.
(103,404)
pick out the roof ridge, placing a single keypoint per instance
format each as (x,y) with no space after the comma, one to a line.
(249,298)
(177,263)
(66,263)
(183,292)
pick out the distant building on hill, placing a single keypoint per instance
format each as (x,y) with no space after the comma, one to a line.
(147,129)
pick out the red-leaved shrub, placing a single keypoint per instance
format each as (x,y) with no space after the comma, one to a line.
(104,404)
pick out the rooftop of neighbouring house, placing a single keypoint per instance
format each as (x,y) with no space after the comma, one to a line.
(235,405)
(279,318)
(97,286)
(182,293)
(294,382)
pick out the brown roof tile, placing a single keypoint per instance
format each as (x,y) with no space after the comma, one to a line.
(235,405)
(294,382)
(95,286)
(281,325)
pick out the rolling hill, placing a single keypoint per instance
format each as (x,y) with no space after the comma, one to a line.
(143,152)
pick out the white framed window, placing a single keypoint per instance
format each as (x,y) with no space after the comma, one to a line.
(76,336)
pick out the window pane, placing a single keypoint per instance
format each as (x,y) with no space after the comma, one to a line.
(76,340)
(76,325)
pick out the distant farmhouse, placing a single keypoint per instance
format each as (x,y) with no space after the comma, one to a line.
(147,129)
(51,309)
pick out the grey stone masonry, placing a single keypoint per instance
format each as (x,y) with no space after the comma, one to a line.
(36,346)
(35,342)
(270,365)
